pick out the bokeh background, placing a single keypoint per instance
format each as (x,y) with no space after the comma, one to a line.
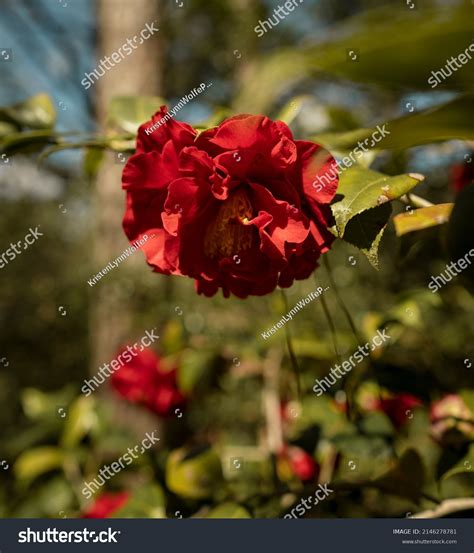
(243,442)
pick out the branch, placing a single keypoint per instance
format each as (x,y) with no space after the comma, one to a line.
(447,507)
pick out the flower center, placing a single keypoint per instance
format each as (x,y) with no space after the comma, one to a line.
(228,234)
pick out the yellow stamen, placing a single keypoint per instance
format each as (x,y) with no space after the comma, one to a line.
(228,233)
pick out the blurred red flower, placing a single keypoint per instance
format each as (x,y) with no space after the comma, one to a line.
(301,464)
(462,174)
(144,381)
(242,206)
(106,504)
(398,408)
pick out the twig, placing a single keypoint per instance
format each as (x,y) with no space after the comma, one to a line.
(447,507)
(414,200)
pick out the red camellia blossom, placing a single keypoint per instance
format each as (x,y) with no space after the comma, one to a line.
(300,463)
(106,504)
(242,207)
(462,174)
(399,408)
(144,381)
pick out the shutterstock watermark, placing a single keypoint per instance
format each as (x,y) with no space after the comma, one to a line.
(18,247)
(338,371)
(279,15)
(437,77)
(306,504)
(107,369)
(184,100)
(349,160)
(451,271)
(115,263)
(289,316)
(107,62)
(109,471)
(53,535)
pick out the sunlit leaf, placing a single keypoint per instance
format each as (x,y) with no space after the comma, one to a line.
(363,189)
(194,474)
(37,461)
(37,112)
(79,420)
(129,112)
(445,122)
(422,218)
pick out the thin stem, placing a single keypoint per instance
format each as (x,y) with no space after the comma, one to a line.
(341,301)
(291,352)
(332,328)
(415,201)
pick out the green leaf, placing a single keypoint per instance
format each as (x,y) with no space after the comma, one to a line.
(460,484)
(363,212)
(37,461)
(445,122)
(422,218)
(145,502)
(395,47)
(362,458)
(466,464)
(92,159)
(406,478)
(41,406)
(37,112)
(291,109)
(80,419)
(129,112)
(195,369)
(28,141)
(194,474)
(228,510)
(365,231)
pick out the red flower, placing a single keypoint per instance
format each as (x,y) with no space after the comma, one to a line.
(398,408)
(145,382)
(301,464)
(462,174)
(242,206)
(106,504)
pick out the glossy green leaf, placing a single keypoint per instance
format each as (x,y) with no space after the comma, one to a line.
(363,212)
(389,46)
(445,122)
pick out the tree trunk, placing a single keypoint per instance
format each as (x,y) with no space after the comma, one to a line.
(137,74)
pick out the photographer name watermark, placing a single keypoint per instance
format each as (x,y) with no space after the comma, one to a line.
(289,316)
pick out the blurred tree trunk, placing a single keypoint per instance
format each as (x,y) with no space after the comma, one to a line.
(140,73)
(243,36)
